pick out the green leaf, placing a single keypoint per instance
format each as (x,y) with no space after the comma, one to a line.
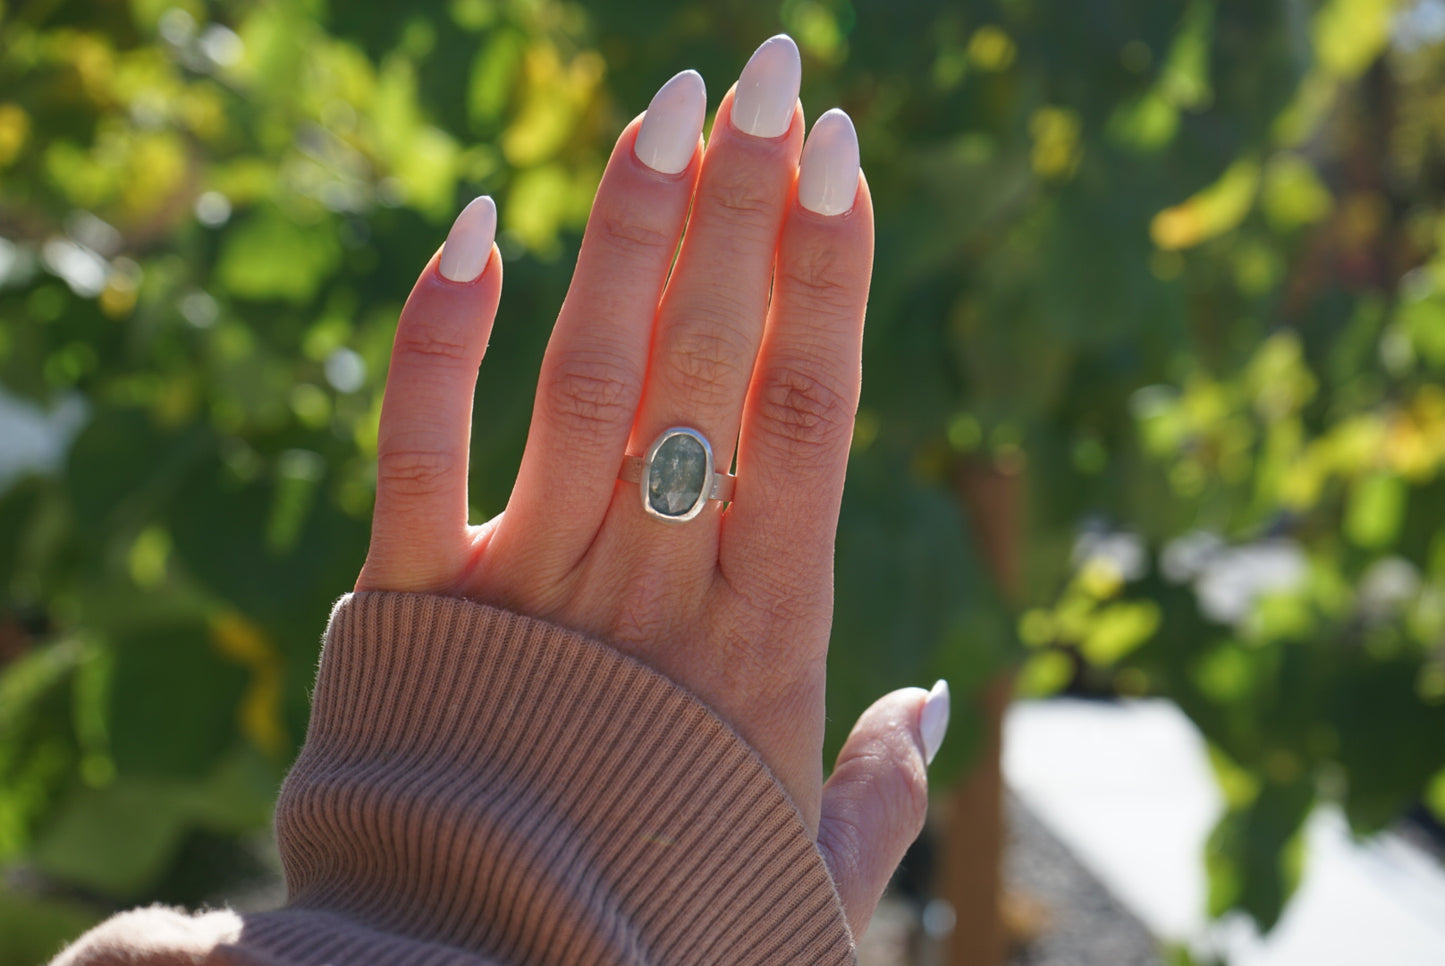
(1184,81)
(121,466)
(493,76)
(271,546)
(33,929)
(19,509)
(37,748)
(1044,674)
(1435,796)
(1422,319)
(1119,629)
(173,700)
(1294,195)
(1375,510)
(1375,706)
(1350,34)
(270,256)
(120,839)
(1146,124)
(117,839)
(1253,856)
(1211,212)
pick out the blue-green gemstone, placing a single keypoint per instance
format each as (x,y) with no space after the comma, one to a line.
(677,476)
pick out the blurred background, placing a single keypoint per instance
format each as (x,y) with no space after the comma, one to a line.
(1154,398)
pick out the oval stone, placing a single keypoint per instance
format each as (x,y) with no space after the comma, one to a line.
(677,476)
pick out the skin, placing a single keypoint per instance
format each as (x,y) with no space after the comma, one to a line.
(754,336)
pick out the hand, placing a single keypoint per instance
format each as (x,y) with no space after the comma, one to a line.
(754,338)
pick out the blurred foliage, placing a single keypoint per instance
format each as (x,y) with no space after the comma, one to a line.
(1155,396)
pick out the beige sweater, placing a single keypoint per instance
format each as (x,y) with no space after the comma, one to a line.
(478,787)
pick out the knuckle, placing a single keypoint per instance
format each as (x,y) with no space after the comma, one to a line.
(753,679)
(804,414)
(793,605)
(763,665)
(819,279)
(748,216)
(636,627)
(430,344)
(410,472)
(886,788)
(590,391)
(843,842)
(644,612)
(741,195)
(632,238)
(748,667)
(709,358)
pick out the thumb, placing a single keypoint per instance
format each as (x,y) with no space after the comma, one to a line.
(876,800)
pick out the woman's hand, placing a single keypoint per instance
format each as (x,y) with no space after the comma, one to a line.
(753,337)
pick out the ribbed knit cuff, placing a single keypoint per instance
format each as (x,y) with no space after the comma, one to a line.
(482,781)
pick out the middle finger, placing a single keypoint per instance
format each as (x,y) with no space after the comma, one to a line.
(712,313)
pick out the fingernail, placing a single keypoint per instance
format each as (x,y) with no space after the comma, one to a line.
(768,89)
(670,128)
(933,722)
(469,243)
(828,172)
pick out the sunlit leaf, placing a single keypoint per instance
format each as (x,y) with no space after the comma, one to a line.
(1210,213)
(493,72)
(1184,81)
(1148,123)
(1350,34)
(1056,148)
(1118,629)
(1423,321)
(1293,194)
(260,714)
(270,256)
(14,131)
(1044,674)
(991,49)
(1435,795)
(1376,509)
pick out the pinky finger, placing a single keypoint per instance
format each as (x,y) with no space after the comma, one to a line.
(419,529)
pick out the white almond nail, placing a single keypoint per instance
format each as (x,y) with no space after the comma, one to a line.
(768,89)
(828,172)
(469,243)
(670,128)
(933,721)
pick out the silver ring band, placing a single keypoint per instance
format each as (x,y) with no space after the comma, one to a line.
(676,478)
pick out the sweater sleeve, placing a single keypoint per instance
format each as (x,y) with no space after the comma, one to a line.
(480,787)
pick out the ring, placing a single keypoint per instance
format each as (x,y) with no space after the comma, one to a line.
(677,477)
